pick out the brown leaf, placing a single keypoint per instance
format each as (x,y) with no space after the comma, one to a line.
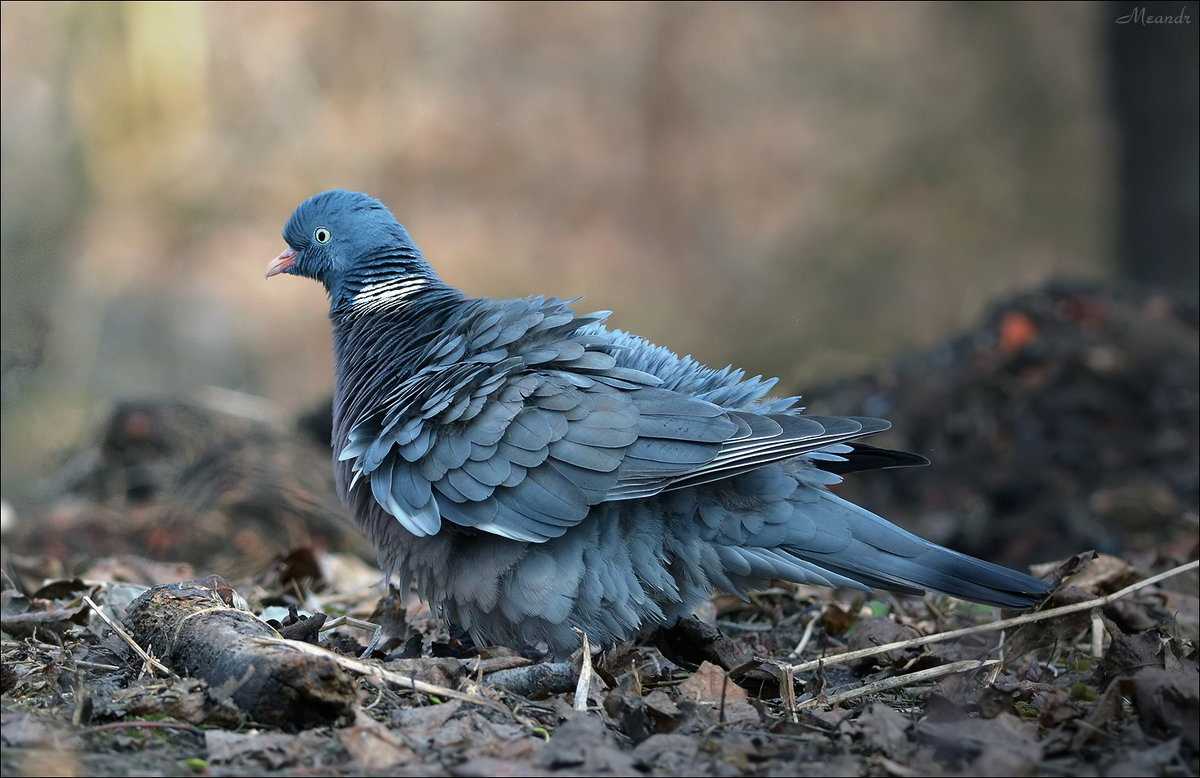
(667,754)
(1105,574)
(255,753)
(1127,654)
(837,620)
(869,633)
(1004,745)
(1168,702)
(884,728)
(57,621)
(585,744)
(373,746)
(710,685)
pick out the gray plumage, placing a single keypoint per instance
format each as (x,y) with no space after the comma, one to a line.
(534,471)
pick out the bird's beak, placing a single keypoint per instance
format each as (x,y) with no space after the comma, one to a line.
(282,263)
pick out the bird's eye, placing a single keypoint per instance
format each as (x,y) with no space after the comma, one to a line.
(322,235)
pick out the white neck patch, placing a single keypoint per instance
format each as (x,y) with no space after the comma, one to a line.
(387,293)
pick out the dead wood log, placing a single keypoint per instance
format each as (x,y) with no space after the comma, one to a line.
(192,627)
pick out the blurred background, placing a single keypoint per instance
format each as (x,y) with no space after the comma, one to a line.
(805,190)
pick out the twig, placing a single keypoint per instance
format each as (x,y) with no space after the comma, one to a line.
(788,691)
(1025,618)
(143,725)
(900,680)
(153,663)
(807,636)
(376,631)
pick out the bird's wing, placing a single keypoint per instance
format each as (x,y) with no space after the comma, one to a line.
(518,424)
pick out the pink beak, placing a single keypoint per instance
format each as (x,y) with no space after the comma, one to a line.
(281,263)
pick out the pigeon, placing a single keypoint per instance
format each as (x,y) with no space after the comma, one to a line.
(535,472)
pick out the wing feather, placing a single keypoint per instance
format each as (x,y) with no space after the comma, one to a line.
(522,417)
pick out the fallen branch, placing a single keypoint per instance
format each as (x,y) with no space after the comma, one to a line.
(243,660)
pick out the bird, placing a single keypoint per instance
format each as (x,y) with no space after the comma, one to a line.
(534,472)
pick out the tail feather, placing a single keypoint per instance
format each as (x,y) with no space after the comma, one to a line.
(947,572)
(866,457)
(852,544)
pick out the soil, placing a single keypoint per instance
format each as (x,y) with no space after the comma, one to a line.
(1068,420)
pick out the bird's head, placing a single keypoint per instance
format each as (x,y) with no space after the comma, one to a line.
(351,243)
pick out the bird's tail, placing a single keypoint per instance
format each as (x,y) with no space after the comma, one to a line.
(829,541)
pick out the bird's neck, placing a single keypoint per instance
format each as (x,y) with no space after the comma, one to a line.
(380,339)
(390,278)
(400,309)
